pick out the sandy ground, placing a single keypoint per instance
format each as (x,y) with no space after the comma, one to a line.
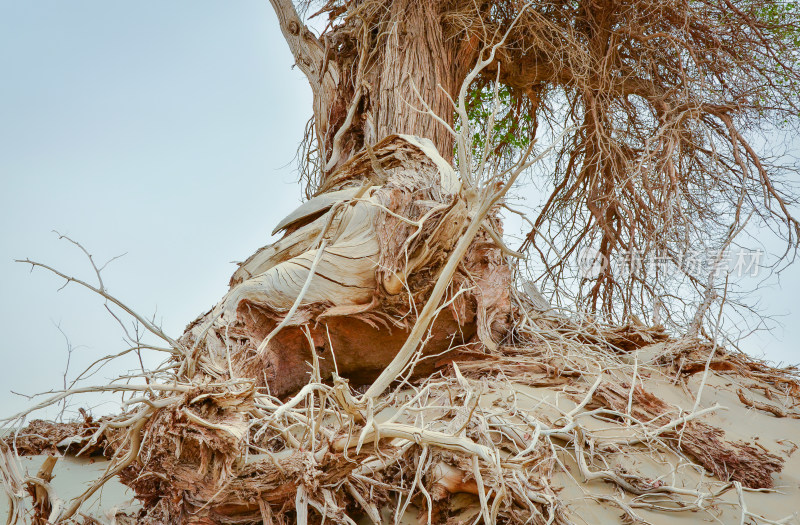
(74,475)
(587,503)
(595,502)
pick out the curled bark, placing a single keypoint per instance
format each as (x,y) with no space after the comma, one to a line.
(352,269)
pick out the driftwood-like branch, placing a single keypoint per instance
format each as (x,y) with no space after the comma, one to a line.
(155,330)
(766,407)
(308,52)
(309,55)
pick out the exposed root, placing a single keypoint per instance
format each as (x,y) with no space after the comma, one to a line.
(736,461)
(47,437)
(229,453)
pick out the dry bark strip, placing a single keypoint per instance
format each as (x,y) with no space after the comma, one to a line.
(51,438)
(766,407)
(728,460)
(355,264)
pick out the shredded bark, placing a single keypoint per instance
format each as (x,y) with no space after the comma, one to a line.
(735,461)
(47,437)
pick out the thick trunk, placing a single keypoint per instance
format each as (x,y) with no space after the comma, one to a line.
(344,284)
(340,292)
(416,67)
(390,80)
(358,260)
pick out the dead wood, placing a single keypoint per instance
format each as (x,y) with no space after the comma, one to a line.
(47,437)
(766,407)
(395,270)
(375,242)
(736,461)
(39,490)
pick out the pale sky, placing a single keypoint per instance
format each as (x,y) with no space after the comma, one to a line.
(165,130)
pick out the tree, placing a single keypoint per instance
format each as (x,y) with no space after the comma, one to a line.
(425,115)
(653,105)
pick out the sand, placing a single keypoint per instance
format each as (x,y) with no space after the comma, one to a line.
(72,476)
(594,502)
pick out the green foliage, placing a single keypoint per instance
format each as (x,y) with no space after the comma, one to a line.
(514,123)
(782,21)
(783,18)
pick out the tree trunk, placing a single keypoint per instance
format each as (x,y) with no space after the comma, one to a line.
(416,66)
(379,82)
(357,261)
(355,266)
(340,292)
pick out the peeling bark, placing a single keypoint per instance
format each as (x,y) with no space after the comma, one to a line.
(47,437)
(375,240)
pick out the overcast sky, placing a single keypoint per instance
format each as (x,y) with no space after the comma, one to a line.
(165,130)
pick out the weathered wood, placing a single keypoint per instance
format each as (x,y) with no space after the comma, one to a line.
(375,243)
